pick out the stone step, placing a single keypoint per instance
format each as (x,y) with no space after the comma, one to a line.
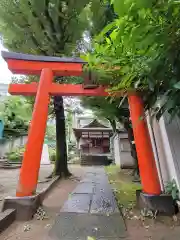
(7,218)
(71,226)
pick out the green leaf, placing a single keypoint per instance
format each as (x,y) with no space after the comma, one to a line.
(105,30)
(177,85)
(90,238)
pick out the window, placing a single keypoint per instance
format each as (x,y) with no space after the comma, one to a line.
(96,142)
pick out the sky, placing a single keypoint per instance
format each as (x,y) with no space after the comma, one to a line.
(5,74)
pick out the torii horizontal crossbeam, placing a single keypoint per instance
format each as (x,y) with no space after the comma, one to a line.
(57,89)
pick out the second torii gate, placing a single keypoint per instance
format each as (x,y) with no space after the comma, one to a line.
(47,68)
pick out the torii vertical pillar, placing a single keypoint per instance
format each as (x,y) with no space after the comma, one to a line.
(31,163)
(147,166)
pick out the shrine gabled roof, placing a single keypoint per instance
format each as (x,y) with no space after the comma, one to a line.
(29,57)
(78,131)
(95,124)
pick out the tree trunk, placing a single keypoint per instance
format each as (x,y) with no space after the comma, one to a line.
(61,167)
(127,126)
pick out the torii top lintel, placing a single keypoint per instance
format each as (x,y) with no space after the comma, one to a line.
(26,64)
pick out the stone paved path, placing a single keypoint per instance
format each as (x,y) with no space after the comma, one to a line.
(91,211)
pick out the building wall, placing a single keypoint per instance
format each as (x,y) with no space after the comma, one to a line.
(155,141)
(85,146)
(122,151)
(166,148)
(171,133)
(116,149)
(8,145)
(3,90)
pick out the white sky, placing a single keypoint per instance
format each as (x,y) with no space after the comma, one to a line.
(5,74)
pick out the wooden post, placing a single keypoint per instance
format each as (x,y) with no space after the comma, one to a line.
(31,163)
(146,161)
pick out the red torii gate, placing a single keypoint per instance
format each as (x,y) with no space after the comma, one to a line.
(47,68)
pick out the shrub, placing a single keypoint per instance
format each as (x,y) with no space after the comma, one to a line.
(16,155)
(52,154)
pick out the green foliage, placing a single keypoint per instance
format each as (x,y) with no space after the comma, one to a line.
(123,187)
(100,13)
(142,52)
(16,113)
(16,155)
(41,27)
(171,188)
(51,132)
(52,154)
(48,27)
(51,141)
(107,108)
(91,238)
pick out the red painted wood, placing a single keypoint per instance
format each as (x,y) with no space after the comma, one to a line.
(31,162)
(146,161)
(35,67)
(23,89)
(57,89)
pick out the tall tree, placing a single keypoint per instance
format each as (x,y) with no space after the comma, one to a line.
(144,42)
(46,27)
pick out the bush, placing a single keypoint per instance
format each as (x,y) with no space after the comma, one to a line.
(52,154)
(16,155)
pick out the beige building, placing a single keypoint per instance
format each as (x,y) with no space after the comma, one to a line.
(121,150)
(3,90)
(165,138)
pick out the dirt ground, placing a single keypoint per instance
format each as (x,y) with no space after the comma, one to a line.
(9,179)
(38,229)
(139,227)
(161,228)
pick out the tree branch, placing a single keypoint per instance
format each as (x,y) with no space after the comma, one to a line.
(53,29)
(34,40)
(41,25)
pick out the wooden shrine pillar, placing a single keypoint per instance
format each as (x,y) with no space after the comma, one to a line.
(31,163)
(147,166)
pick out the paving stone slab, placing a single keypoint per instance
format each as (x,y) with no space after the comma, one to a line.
(79,226)
(104,203)
(77,203)
(96,180)
(103,186)
(84,238)
(84,187)
(99,178)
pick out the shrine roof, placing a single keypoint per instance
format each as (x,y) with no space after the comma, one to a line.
(93,129)
(78,131)
(29,57)
(95,124)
